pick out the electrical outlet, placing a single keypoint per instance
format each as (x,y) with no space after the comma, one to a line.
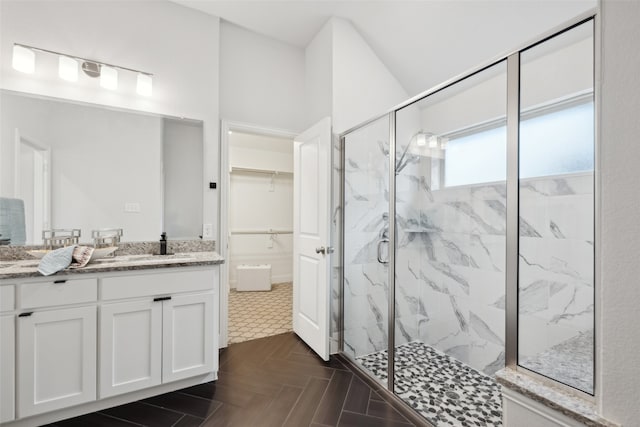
(132,207)
(207,231)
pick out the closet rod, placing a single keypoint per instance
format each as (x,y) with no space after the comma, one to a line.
(265,171)
(269,231)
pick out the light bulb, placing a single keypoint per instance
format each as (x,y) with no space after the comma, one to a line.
(433,141)
(24,59)
(421,139)
(145,84)
(68,69)
(108,77)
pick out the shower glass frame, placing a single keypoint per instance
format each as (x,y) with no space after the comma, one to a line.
(512,207)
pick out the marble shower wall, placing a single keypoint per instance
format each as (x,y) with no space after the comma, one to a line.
(450,266)
(366,222)
(556,264)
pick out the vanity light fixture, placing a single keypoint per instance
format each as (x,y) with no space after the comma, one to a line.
(144,85)
(108,77)
(421,139)
(24,58)
(68,68)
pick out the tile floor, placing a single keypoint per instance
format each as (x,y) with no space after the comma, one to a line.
(443,390)
(269,382)
(260,314)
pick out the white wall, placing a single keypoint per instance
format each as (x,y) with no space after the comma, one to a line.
(183,180)
(619,335)
(260,202)
(178,45)
(319,76)
(363,87)
(261,79)
(345,79)
(559,73)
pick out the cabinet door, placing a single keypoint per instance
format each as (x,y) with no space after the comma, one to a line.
(130,346)
(57,359)
(187,333)
(7,368)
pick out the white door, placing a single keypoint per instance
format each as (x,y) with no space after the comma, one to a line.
(56,359)
(130,346)
(32,184)
(187,336)
(7,368)
(311,236)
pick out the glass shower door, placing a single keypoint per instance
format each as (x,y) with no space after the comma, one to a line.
(450,208)
(366,246)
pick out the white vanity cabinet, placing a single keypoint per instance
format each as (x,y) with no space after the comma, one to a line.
(130,346)
(187,334)
(80,343)
(162,332)
(57,343)
(56,359)
(7,354)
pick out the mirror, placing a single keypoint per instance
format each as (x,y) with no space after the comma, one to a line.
(69,165)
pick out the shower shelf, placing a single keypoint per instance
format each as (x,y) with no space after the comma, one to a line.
(420,230)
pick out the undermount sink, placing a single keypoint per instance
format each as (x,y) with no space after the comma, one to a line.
(159,258)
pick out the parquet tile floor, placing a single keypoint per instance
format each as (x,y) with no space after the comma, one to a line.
(260,314)
(267,382)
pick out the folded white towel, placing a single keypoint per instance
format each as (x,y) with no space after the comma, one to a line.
(56,260)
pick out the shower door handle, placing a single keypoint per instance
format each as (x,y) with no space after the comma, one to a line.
(380,244)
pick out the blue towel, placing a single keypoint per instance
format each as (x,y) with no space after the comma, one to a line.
(12,221)
(56,260)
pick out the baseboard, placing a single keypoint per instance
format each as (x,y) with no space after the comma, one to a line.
(275,280)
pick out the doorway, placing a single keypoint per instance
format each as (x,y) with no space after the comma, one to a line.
(32,165)
(257,237)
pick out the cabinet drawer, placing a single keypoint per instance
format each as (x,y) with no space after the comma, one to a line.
(58,292)
(151,284)
(7,297)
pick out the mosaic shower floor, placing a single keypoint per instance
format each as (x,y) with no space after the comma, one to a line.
(443,390)
(260,314)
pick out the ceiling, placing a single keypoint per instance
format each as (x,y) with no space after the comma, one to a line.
(422,42)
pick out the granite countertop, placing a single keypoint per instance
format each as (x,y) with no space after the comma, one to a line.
(558,399)
(29,268)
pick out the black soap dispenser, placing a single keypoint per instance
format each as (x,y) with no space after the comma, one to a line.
(163,243)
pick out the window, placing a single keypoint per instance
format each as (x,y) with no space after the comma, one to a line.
(551,143)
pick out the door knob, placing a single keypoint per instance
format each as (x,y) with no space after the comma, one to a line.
(321,250)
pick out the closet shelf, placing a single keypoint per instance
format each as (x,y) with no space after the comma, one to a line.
(236,169)
(269,231)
